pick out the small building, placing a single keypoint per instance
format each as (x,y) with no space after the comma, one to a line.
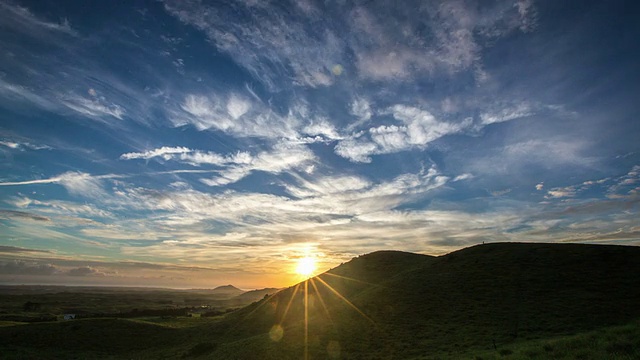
(69,316)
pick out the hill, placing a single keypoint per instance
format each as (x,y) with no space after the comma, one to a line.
(255,295)
(229,290)
(400,305)
(484,300)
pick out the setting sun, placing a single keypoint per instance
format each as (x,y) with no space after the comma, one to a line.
(306,266)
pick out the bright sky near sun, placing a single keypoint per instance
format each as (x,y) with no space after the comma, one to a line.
(194,144)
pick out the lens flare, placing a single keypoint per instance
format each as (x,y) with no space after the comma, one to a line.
(306,266)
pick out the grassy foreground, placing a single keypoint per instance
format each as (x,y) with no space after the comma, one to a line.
(618,342)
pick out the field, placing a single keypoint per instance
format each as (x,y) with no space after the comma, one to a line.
(494,301)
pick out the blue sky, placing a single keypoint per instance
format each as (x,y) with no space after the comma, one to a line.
(195,144)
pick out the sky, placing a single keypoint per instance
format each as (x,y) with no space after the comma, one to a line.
(185,143)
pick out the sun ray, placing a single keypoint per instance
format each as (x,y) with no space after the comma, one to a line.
(351,279)
(335,292)
(324,305)
(286,310)
(306,320)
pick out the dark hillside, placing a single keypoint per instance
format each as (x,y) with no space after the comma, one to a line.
(412,305)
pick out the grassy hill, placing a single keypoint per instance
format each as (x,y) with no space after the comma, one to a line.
(503,300)
(484,297)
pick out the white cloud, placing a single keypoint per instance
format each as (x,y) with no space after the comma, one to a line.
(322,127)
(267,41)
(356,150)
(166,152)
(9,144)
(327,185)
(506,114)
(417,128)
(237,106)
(561,193)
(463,177)
(277,46)
(283,157)
(190,156)
(81,184)
(540,186)
(76,183)
(65,208)
(21,145)
(422,126)
(236,116)
(95,108)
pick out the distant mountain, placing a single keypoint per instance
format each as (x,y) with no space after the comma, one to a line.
(402,305)
(255,295)
(229,290)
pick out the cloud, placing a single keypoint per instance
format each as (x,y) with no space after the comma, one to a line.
(190,156)
(302,47)
(22,93)
(21,19)
(76,183)
(165,152)
(506,114)
(16,249)
(283,157)
(82,184)
(266,40)
(19,145)
(58,207)
(321,127)
(85,271)
(356,150)
(540,186)
(415,129)
(18,267)
(560,193)
(463,177)
(12,214)
(625,186)
(96,108)
(236,116)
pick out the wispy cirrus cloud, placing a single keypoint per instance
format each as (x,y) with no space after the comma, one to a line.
(190,156)
(93,108)
(21,19)
(415,129)
(77,183)
(13,214)
(236,116)
(22,145)
(283,157)
(387,41)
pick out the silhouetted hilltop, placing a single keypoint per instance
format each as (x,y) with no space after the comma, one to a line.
(392,302)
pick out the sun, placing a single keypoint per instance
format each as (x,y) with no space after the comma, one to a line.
(306,266)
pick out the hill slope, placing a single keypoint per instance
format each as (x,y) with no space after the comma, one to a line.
(391,305)
(406,305)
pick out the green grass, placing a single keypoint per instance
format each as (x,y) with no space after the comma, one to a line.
(618,342)
(11,323)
